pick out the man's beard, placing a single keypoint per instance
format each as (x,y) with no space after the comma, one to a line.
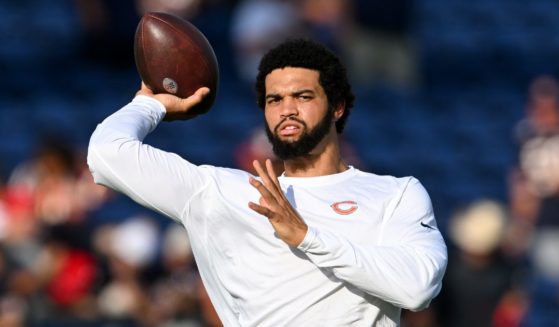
(306,143)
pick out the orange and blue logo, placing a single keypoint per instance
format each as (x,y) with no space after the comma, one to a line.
(344,207)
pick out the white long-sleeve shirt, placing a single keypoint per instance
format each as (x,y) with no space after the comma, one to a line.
(372,246)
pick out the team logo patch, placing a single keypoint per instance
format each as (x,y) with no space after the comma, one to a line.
(344,207)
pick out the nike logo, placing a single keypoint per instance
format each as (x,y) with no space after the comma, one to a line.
(426,226)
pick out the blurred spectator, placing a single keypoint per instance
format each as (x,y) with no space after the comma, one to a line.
(478,276)
(256,26)
(534,182)
(131,249)
(535,199)
(55,185)
(69,275)
(538,135)
(329,21)
(174,294)
(372,36)
(382,49)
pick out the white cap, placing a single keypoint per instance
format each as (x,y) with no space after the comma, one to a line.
(135,241)
(480,228)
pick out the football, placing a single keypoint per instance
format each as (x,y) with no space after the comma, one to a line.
(173,56)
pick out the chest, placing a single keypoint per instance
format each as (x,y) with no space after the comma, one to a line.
(241,246)
(347,212)
(352,213)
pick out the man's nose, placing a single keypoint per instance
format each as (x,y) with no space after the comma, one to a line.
(289,107)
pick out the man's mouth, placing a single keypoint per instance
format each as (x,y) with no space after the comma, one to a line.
(289,129)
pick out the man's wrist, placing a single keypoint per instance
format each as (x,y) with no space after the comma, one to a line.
(152,104)
(309,238)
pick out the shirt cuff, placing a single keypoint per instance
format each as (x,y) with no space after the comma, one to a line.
(153,105)
(307,242)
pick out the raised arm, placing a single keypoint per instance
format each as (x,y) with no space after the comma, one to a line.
(118,159)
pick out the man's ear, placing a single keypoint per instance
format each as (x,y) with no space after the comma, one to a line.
(339,111)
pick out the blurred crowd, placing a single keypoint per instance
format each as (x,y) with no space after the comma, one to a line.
(58,267)
(372,36)
(62,263)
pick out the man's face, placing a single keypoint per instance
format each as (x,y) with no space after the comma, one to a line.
(296,112)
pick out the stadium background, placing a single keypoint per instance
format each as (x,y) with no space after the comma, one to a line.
(441,88)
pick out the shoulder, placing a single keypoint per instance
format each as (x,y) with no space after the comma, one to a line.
(389,183)
(231,186)
(223,174)
(397,189)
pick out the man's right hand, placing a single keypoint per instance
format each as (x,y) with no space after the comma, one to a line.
(177,108)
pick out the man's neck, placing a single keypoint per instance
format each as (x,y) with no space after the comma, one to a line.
(324,160)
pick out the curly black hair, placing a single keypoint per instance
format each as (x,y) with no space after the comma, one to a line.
(304,53)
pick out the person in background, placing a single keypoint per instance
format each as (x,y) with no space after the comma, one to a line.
(479,275)
(534,198)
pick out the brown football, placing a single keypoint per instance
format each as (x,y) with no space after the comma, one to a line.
(173,56)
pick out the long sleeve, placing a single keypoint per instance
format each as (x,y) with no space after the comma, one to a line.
(118,159)
(405,267)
